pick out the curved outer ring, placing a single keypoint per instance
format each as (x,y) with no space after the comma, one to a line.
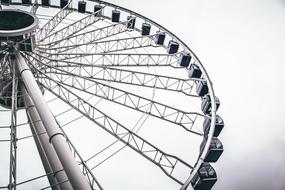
(21,31)
(209,83)
(202,156)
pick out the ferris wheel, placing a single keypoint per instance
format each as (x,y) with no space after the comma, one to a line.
(96,96)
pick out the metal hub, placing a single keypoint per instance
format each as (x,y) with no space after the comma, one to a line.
(16,33)
(16,23)
(17,30)
(20,20)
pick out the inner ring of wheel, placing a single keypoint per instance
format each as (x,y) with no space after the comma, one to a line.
(16,23)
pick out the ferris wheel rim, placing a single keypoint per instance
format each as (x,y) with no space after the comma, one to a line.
(211,90)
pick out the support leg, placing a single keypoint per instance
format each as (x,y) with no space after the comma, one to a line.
(57,139)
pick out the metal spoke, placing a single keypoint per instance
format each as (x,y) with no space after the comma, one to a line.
(122,97)
(120,75)
(64,22)
(159,110)
(118,59)
(106,46)
(85,169)
(70,30)
(44,31)
(167,163)
(89,36)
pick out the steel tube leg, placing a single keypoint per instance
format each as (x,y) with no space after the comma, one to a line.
(75,176)
(52,180)
(47,152)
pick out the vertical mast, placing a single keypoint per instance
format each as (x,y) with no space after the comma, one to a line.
(58,179)
(56,137)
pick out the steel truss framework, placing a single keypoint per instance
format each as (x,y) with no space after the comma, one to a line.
(106,46)
(119,96)
(92,56)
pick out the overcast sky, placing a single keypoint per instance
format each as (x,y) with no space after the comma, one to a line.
(242,45)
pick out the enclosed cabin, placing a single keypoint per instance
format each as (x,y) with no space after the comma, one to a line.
(131,21)
(46,3)
(146,29)
(219,125)
(159,38)
(202,88)
(206,105)
(81,6)
(116,16)
(205,178)
(194,71)
(26,2)
(184,59)
(172,47)
(5,2)
(63,3)
(98,10)
(215,150)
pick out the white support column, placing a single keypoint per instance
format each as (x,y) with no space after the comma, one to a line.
(47,153)
(56,138)
(51,178)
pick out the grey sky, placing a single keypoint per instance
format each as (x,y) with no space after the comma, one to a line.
(241,44)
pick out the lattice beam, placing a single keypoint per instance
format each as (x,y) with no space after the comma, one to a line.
(44,31)
(133,101)
(89,36)
(122,76)
(116,59)
(169,164)
(106,46)
(67,32)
